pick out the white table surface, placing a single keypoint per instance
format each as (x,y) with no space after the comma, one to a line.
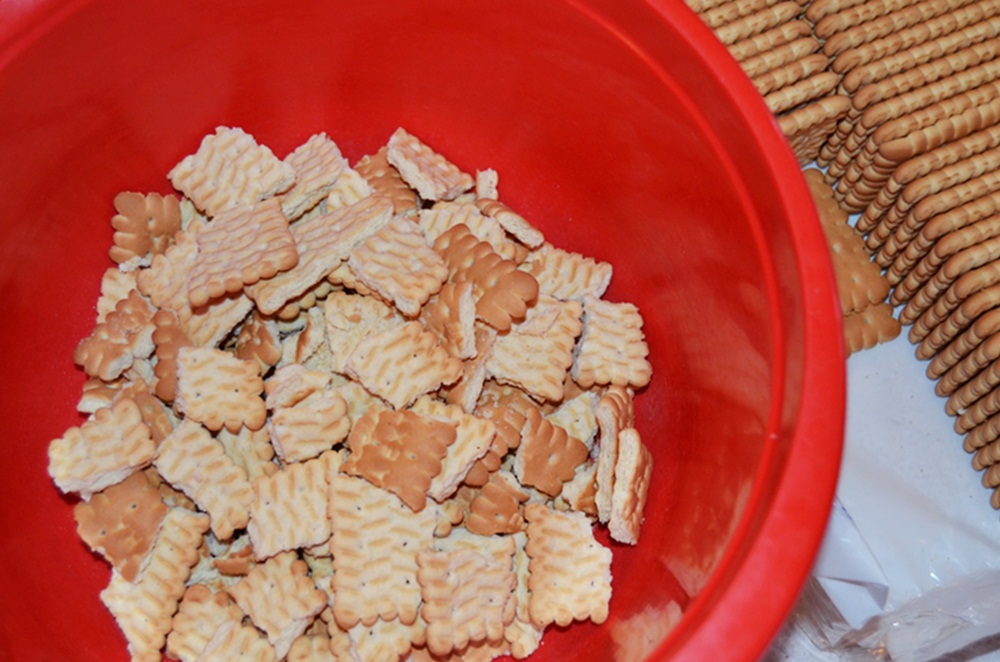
(916,502)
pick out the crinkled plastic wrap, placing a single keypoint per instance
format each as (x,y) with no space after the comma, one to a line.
(910,566)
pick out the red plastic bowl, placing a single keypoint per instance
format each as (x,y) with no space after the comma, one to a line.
(622,129)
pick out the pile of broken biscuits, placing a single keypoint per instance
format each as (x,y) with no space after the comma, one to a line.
(892,108)
(351,412)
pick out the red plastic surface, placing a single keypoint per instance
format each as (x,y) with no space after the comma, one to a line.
(622,129)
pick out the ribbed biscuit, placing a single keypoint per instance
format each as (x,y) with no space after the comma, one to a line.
(888,24)
(399,264)
(962,217)
(193,461)
(402,363)
(121,522)
(432,175)
(466,391)
(847,17)
(981,356)
(578,416)
(400,451)
(229,169)
(473,437)
(942,323)
(168,338)
(789,74)
(351,318)
(523,635)
(280,598)
(511,221)
(317,164)
(871,326)
(547,456)
(165,282)
(102,451)
(451,316)
(323,242)
(809,127)
(467,597)
(769,39)
(702,6)
(503,293)
(633,472)
(970,392)
(144,225)
(981,441)
(956,267)
(921,43)
(758,22)
(350,188)
(200,614)
(376,538)
(612,347)
(893,108)
(508,415)
(288,509)
(144,608)
(311,648)
(952,43)
(579,493)
(874,172)
(115,286)
(987,457)
(304,430)
(567,275)
(969,341)
(236,641)
(942,196)
(386,181)
(250,449)
(783,54)
(487,184)
(219,390)
(538,362)
(924,165)
(731,10)
(496,509)
(259,339)
(811,88)
(382,640)
(293,384)
(614,412)
(438,219)
(126,334)
(819,9)
(986,407)
(561,592)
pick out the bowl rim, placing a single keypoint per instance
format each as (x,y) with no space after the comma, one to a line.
(719,616)
(817,436)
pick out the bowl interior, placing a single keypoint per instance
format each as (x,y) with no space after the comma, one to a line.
(622,130)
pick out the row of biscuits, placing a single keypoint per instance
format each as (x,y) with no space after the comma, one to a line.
(910,157)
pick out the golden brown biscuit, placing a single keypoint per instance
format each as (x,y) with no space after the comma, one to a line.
(229,169)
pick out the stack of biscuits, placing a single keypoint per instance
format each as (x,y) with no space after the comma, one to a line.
(779,48)
(910,157)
